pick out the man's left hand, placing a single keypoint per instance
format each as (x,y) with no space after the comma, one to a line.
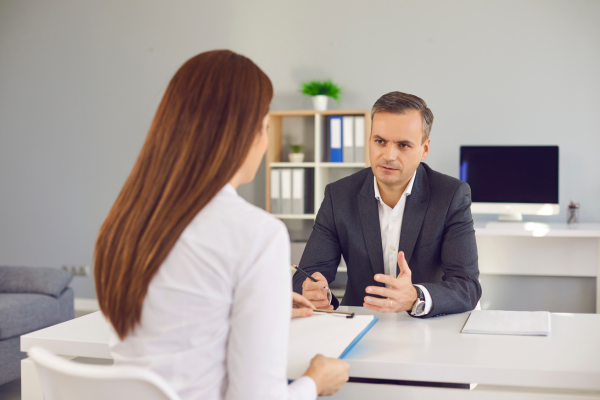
(401,295)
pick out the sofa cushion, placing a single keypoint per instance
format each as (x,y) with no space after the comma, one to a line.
(26,312)
(50,281)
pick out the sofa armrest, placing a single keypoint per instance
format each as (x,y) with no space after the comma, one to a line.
(49,281)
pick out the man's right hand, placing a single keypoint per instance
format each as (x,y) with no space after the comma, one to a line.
(316,292)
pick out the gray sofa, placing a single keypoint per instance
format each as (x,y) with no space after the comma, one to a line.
(30,299)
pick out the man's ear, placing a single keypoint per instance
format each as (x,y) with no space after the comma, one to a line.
(425,149)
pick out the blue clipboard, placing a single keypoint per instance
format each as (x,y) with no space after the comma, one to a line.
(360,336)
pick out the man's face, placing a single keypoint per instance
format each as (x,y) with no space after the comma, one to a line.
(395,147)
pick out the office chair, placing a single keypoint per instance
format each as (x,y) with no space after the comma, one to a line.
(68,380)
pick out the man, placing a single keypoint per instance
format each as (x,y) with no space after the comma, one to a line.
(404,230)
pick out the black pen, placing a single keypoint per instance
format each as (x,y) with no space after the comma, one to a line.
(306,274)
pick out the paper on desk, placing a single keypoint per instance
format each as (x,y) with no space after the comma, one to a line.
(493,322)
(322,334)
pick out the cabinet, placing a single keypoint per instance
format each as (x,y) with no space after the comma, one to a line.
(324,172)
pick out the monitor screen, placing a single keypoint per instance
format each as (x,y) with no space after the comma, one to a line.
(510,174)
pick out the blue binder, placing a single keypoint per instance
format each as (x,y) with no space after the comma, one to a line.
(335,139)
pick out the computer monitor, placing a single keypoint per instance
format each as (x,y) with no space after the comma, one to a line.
(511,180)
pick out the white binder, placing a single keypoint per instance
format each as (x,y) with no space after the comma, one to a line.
(348,141)
(298,191)
(359,139)
(286,191)
(275,191)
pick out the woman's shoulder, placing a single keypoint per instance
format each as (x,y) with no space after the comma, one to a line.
(230,212)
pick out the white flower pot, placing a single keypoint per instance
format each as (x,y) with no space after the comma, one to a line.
(320,102)
(296,157)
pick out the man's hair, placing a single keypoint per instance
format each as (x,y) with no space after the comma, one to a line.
(400,103)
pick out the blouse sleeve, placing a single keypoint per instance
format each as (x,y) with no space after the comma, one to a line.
(260,319)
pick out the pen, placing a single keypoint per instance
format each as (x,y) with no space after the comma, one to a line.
(306,274)
(336,313)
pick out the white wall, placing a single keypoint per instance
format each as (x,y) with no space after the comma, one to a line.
(80,81)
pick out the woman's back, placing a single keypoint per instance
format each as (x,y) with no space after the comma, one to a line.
(207,311)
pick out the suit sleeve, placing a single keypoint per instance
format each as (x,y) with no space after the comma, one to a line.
(459,290)
(322,252)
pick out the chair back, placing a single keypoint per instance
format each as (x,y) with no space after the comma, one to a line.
(68,380)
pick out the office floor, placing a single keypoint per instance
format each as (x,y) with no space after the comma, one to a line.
(11,390)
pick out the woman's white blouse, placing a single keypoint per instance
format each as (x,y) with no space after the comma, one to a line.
(216,317)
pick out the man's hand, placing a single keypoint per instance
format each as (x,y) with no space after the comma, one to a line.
(316,292)
(301,307)
(401,295)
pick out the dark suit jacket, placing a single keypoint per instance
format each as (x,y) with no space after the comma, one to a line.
(437,238)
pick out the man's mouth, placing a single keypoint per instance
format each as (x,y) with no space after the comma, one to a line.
(387,168)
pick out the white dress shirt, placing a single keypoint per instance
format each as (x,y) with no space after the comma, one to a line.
(216,317)
(390,223)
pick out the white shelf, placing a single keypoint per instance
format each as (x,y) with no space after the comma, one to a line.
(342,165)
(294,216)
(292,165)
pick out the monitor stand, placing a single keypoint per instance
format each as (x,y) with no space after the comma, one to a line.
(515,217)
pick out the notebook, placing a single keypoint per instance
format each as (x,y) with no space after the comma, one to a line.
(325,334)
(493,322)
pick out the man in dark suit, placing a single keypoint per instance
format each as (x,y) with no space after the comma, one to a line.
(397,213)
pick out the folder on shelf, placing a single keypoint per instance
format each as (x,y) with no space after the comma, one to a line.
(335,139)
(286,190)
(275,191)
(329,335)
(325,140)
(298,184)
(359,139)
(309,191)
(348,140)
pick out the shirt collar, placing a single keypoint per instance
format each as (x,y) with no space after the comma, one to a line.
(407,191)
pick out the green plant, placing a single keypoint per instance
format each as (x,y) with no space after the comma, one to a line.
(296,148)
(327,88)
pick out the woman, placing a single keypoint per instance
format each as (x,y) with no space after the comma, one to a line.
(194,280)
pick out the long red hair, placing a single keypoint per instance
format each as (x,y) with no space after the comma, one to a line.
(201,134)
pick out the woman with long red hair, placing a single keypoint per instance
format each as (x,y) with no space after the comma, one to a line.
(194,280)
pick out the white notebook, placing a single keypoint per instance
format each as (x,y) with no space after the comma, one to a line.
(493,322)
(324,334)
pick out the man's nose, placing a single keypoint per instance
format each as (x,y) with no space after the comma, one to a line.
(390,152)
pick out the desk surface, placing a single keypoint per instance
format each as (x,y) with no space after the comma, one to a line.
(406,348)
(537,229)
(403,348)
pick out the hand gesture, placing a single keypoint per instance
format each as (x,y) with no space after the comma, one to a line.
(301,307)
(316,292)
(401,295)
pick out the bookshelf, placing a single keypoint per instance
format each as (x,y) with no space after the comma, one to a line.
(275,153)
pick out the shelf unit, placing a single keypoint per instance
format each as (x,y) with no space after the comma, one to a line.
(275,150)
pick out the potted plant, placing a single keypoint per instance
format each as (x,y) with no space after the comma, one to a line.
(295,155)
(320,91)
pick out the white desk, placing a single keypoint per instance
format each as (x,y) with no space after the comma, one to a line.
(540,249)
(399,347)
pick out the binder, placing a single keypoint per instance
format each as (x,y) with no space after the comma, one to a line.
(275,191)
(298,184)
(309,191)
(359,139)
(286,191)
(335,139)
(348,133)
(325,140)
(329,335)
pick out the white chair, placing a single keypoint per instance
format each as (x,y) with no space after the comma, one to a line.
(67,380)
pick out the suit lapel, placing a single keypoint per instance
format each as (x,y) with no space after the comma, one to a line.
(414,213)
(369,217)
